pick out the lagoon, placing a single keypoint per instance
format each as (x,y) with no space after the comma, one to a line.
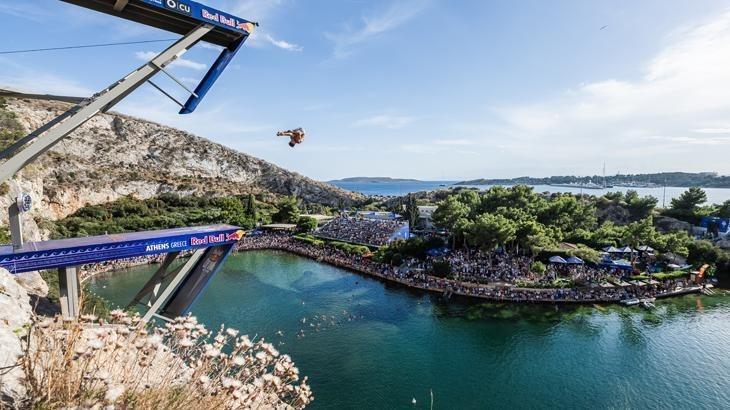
(382,346)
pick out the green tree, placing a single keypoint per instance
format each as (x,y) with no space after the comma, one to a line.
(639,207)
(288,211)
(689,200)
(490,230)
(441,269)
(251,208)
(306,224)
(448,213)
(568,213)
(724,210)
(412,211)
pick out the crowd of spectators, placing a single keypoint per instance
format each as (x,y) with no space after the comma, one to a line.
(359,230)
(92,269)
(476,275)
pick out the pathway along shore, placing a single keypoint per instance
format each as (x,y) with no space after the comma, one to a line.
(448,288)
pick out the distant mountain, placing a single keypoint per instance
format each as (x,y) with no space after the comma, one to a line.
(375,180)
(675,179)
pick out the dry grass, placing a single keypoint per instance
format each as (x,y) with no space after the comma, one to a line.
(92,364)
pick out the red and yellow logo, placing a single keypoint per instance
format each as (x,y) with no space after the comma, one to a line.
(236,236)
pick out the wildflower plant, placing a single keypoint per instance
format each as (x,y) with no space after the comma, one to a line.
(181,365)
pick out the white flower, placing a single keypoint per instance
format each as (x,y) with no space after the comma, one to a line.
(186,342)
(212,352)
(239,360)
(114,393)
(88,318)
(232,332)
(96,344)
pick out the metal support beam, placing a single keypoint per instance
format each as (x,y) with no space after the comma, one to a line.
(16,225)
(100,102)
(120,5)
(69,292)
(180,83)
(165,93)
(152,287)
(172,286)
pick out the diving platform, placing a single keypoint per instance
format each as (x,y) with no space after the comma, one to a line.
(171,290)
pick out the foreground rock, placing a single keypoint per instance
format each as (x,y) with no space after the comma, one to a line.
(15,314)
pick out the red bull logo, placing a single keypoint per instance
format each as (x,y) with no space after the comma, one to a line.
(248,27)
(235,236)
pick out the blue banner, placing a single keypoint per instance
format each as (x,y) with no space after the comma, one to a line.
(204,14)
(80,251)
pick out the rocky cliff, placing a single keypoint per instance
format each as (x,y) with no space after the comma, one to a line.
(114,155)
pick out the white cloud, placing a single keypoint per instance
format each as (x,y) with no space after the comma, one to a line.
(712,130)
(384,121)
(683,85)
(397,14)
(418,149)
(281,43)
(20,78)
(454,142)
(180,62)
(23,9)
(260,10)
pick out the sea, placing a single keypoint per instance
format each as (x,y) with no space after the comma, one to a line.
(370,345)
(664,195)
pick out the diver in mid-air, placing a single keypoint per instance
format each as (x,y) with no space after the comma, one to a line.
(296,136)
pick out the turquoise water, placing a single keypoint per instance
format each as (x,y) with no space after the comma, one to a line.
(390,345)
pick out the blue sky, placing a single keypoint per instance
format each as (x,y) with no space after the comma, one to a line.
(430,89)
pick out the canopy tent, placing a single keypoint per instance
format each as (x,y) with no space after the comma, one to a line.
(645,248)
(557,259)
(611,249)
(619,264)
(625,249)
(574,260)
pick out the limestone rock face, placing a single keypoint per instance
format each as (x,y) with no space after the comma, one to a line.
(15,313)
(114,155)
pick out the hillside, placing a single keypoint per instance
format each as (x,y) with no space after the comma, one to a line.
(676,179)
(114,155)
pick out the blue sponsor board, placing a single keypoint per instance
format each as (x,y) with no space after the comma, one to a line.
(204,14)
(722,225)
(78,251)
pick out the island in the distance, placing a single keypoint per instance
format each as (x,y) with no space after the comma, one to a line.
(375,180)
(675,179)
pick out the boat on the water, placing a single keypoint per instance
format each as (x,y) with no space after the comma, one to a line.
(630,302)
(647,303)
(587,185)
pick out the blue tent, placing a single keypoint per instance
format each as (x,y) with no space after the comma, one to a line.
(557,259)
(622,264)
(574,260)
